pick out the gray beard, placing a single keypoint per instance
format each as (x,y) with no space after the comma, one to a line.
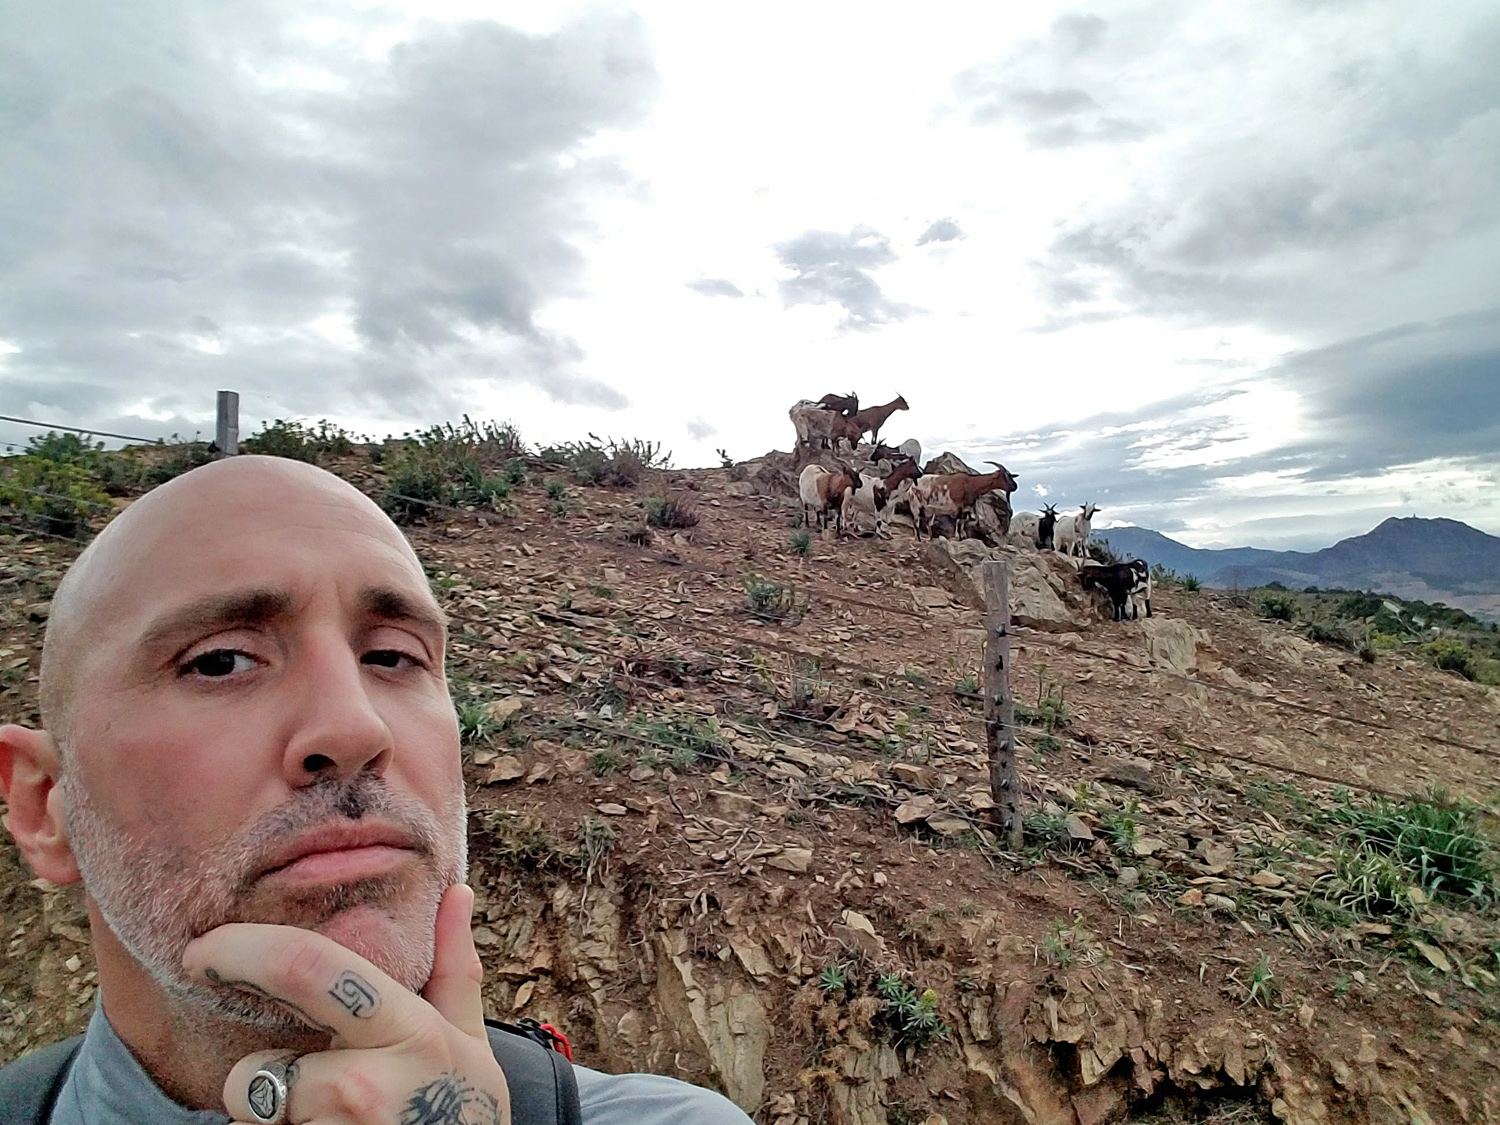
(157,897)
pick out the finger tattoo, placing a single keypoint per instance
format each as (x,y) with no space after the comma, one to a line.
(449,1100)
(356,994)
(256,990)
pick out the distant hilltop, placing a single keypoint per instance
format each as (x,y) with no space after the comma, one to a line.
(1430,560)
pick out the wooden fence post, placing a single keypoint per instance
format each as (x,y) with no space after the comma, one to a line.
(227,430)
(999,705)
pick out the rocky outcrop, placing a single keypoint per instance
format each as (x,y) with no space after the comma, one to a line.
(1172,644)
(1040,593)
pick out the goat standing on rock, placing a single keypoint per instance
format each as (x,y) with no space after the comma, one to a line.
(1123,582)
(877,497)
(954,494)
(1071,534)
(827,490)
(872,418)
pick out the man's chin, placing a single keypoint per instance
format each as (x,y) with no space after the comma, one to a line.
(402,949)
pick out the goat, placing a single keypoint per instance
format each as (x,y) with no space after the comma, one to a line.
(842,404)
(1070,535)
(883,452)
(824,490)
(1046,526)
(872,418)
(1123,582)
(821,429)
(912,448)
(877,497)
(954,494)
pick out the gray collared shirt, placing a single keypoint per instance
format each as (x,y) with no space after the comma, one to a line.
(107,1086)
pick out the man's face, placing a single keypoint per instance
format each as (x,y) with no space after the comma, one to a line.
(262,680)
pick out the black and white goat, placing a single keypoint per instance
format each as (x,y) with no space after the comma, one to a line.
(1125,583)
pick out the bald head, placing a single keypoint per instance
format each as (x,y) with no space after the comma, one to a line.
(205,518)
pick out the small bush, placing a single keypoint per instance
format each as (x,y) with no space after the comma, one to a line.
(1433,841)
(607,461)
(911,1016)
(1100,551)
(1327,633)
(556,490)
(670,512)
(1277,605)
(186,456)
(800,542)
(299,441)
(773,601)
(55,497)
(1190,582)
(475,723)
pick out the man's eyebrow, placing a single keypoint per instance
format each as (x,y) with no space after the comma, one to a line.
(393,605)
(217,612)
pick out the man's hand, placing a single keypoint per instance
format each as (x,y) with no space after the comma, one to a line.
(395,1057)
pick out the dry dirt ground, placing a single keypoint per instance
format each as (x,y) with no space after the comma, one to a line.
(756,852)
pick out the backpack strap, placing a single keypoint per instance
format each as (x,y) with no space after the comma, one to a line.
(30,1085)
(543,1088)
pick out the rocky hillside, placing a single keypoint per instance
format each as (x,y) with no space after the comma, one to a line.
(1430,560)
(731,821)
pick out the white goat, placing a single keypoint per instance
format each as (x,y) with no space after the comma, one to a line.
(826,490)
(1071,534)
(912,448)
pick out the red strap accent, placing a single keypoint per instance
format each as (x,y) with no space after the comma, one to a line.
(560,1042)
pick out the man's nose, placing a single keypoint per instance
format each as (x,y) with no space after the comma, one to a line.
(338,732)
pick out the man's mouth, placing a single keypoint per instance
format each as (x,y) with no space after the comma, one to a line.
(342,854)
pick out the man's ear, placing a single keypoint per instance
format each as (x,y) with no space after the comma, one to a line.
(29,769)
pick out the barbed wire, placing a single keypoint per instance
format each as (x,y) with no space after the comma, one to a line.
(80,430)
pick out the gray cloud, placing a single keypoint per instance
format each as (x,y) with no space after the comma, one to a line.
(942,230)
(699,429)
(1035,88)
(176,215)
(1406,394)
(715,287)
(1276,214)
(834,267)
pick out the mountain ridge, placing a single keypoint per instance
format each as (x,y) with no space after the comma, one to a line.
(1424,559)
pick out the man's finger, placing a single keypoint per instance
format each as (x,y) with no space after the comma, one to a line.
(237,1092)
(453,988)
(327,986)
(370,1086)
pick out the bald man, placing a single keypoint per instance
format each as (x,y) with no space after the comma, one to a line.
(250,759)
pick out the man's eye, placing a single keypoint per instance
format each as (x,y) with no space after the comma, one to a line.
(386,658)
(221,662)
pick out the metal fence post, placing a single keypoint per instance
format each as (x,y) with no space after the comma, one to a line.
(999,705)
(227,431)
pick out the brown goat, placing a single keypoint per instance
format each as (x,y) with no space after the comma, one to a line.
(873,417)
(954,494)
(826,490)
(844,404)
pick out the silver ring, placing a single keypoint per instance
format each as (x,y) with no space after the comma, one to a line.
(270,1089)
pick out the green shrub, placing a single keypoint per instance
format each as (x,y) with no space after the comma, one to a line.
(670,512)
(800,542)
(607,461)
(1328,633)
(1434,841)
(1190,582)
(55,497)
(1277,605)
(300,441)
(1100,551)
(911,1016)
(772,600)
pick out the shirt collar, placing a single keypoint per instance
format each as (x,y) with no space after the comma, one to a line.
(107,1086)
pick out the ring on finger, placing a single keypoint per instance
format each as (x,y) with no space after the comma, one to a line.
(270,1089)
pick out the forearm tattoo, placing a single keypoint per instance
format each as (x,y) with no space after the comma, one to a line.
(449,1100)
(256,990)
(356,994)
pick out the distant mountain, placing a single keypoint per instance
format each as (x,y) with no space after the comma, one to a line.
(1432,560)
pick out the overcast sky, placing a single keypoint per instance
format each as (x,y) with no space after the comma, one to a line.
(1229,270)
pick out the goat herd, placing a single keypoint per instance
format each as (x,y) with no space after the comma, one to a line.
(938,501)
